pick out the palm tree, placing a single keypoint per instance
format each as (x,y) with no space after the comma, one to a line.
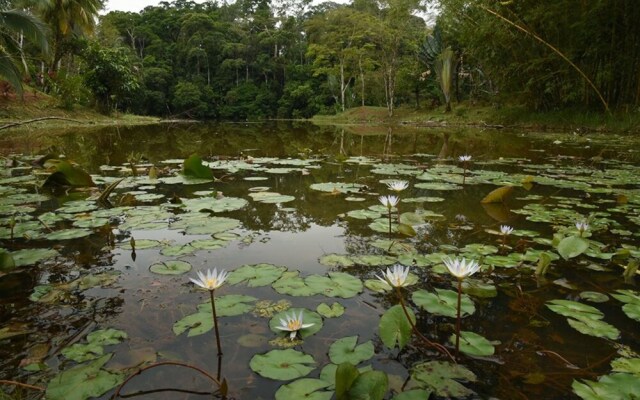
(15,25)
(66,19)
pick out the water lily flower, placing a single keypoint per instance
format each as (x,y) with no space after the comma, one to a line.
(398,186)
(389,201)
(460,268)
(395,278)
(212,280)
(506,229)
(464,158)
(293,324)
(582,226)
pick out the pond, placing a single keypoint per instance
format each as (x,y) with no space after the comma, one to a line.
(95,280)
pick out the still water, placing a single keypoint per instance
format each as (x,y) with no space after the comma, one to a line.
(305,198)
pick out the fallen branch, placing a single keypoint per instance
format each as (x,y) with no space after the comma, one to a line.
(11,125)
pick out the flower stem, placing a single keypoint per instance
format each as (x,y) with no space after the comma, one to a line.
(215,322)
(415,330)
(464,173)
(458,322)
(389,221)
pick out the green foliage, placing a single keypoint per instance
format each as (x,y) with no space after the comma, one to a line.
(395,328)
(109,76)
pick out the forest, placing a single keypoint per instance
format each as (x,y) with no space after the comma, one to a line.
(260,59)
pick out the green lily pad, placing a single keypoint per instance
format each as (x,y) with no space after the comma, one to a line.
(193,166)
(369,385)
(199,224)
(594,297)
(337,284)
(32,256)
(613,386)
(81,352)
(305,388)
(372,260)
(337,187)
(68,234)
(595,328)
(364,214)
(443,302)
(334,311)
(171,267)
(282,364)
(478,288)
(628,365)
(142,244)
(574,309)
(90,222)
(336,260)
(271,197)
(395,328)
(473,344)
(572,246)
(107,336)
(67,174)
(293,284)
(213,204)
(308,317)
(632,300)
(83,381)
(379,286)
(347,350)
(202,321)
(256,275)
(382,225)
(443,378)
(415,394)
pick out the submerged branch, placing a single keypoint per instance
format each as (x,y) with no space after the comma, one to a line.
(29,121)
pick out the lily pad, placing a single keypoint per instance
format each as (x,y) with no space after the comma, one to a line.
(443,378)
(32,256)
(337,284)
(305,388)
(256,275)
(68,234)
(395,328)
(333,311)
(347,350)
(473,344)
(336,260)
(613,386)
(572,246)
(282,364)
(83,381)
(443,302)
(594,297)
(172,267)
(338,187)
(271,197)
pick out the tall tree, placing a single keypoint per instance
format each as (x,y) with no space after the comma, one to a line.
(14,26)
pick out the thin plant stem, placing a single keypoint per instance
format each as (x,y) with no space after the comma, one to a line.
(389,209)
(24,385)
(415,330)
(458,322)
(215,323)
(159,364)
(464,173)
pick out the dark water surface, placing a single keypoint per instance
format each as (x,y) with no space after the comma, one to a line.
(533,345)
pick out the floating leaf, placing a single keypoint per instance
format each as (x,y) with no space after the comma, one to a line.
(336,260)
(334,311)
(498,195)
(442,377)
(347,350)
(305,388)
(271,197)
(572,246)
(629,365)
(632,300)
(473,344)
(83,381)
(337,284)
(193,167)
(372,385)
(338,187)
(171,267)
(574,309)
(613,386)
(67,234)
(282,364)
(395,328)
(66,174)
(81,352)
(595,328)
(595,297)
(443,302)
(292,284)
(32,256)
(343,378)
(256,274)
(107,336)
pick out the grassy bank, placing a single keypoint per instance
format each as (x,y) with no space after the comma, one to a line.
(504,117)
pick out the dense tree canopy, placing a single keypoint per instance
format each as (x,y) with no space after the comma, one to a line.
(253,59)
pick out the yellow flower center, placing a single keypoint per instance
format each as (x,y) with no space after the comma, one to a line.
(293,325)
(211,283)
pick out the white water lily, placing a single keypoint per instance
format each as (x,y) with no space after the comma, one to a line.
(395,278)
(464,158)
(506,229)
(398,186)
(460,268)
(211,280)
(293,324)
(582,226)
(389,201)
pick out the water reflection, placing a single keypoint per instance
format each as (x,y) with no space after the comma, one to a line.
(296,234)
